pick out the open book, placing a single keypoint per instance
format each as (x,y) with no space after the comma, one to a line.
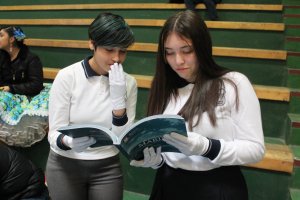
(146,132)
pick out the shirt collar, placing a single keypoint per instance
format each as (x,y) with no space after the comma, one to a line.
(88,71)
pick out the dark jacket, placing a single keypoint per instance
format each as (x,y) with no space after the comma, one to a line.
(24,75)
(19,178)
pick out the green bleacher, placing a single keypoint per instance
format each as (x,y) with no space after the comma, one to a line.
(260,38)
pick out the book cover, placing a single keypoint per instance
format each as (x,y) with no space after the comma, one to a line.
(147,132)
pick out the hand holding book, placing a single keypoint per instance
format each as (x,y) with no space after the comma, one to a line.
(145,133)
(78,144)
(194,144)
(152,159)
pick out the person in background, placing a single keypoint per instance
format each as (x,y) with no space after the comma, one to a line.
(209,4)
(21,90)
(222,114)
(20,179)
(95,91)
(21,72)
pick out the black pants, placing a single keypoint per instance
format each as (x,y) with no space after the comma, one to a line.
(224,183)
(209,4)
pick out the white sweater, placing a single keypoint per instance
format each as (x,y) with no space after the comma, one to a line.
(239,132)
(76,98)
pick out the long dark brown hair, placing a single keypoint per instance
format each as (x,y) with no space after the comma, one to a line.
(209,83)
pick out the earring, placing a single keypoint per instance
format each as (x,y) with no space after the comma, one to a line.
(10,48)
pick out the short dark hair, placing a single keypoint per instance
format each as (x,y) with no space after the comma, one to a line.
(111,30)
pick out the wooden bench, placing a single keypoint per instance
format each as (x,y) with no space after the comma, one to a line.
(263,92)
(151,47)
(147,22)
(277,157)
(153,6)
(143,81)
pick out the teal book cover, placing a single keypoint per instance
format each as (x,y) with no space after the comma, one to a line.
(147,132)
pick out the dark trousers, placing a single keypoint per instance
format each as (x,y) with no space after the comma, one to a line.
(43,196)
(224,183)
(72,179)
(209,4)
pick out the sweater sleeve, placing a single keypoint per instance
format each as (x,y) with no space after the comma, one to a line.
(247,145)
(59,106)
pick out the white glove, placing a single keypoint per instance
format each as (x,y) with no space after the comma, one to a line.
(117,87)
(78,144)
(151,159)
(194,144)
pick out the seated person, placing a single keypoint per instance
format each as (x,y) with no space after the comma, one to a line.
(209,4)
(23,102)
(20,179)
(21,72)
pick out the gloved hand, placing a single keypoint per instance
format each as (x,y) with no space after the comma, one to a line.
(117,83)
(78,144)
(194,144)
(151,159)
